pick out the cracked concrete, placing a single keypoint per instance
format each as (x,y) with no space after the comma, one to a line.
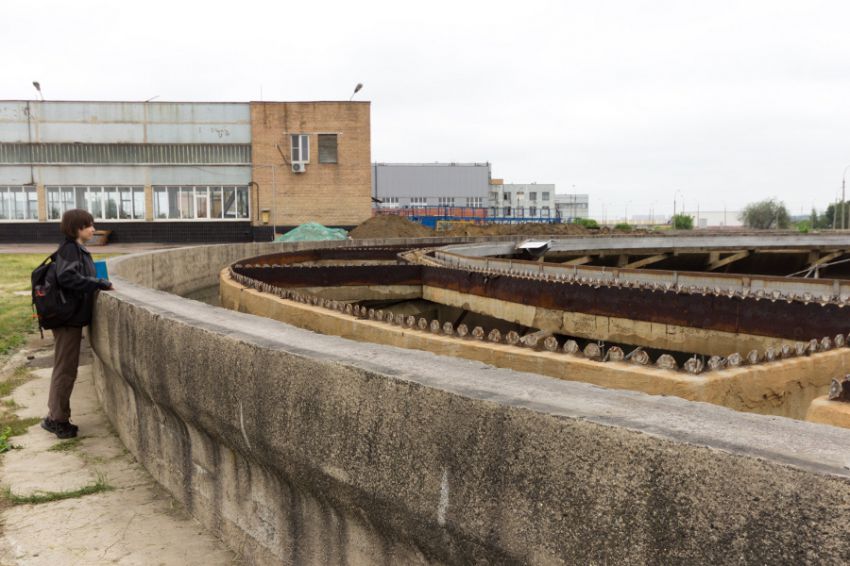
(137,522)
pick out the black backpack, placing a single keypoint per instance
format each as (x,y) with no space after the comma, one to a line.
(50,302)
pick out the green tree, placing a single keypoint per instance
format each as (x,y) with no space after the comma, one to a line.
(766,215)
(682,222)
(831,217)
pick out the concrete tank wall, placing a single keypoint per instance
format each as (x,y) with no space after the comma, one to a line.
(300,448)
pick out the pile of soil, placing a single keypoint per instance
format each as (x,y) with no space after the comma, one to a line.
(468,229)
(390,226)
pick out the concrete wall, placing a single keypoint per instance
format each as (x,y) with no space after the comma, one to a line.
(300,448)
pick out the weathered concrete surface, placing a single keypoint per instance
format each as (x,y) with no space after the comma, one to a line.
(136,523)
(307,449)
(834,413)
(784,388)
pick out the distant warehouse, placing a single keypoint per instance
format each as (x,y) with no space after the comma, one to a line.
(183,171)
(458,186)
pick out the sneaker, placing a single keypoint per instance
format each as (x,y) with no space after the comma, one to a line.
(60,429)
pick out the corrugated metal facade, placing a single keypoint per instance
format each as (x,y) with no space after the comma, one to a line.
(124,143)
(125,154)
(430,181)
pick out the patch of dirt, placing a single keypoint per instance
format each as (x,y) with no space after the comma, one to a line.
(390,226)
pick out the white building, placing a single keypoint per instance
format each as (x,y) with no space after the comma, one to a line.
(529,200)
(570,207)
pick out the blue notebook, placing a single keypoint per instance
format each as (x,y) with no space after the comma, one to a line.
(100,269)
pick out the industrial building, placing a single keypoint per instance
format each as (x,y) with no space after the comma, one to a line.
(469,185)
(183,171)
(399,185)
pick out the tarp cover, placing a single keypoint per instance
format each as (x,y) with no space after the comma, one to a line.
(312,232)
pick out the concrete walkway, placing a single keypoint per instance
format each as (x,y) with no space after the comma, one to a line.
(134,522)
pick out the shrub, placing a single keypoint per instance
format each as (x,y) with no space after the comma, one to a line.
(682,222)
(587,223)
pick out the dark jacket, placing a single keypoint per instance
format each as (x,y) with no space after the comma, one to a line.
(76,275)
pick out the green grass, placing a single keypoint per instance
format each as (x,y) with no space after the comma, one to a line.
(16,320)
(40,497)
(15,310)
(5,445)
(65,445)
(16,425)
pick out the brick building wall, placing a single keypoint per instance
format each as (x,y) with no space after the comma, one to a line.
(333,194)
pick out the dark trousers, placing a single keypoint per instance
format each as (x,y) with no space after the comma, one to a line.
(66,358)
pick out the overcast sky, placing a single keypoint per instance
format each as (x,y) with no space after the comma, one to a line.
(628,101)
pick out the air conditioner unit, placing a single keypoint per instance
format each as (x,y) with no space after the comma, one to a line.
(299,167)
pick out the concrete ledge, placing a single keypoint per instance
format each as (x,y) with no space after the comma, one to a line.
(301,448)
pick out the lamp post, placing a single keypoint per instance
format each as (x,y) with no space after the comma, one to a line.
(37,86)
(678,192)
(356,90)
(843,202)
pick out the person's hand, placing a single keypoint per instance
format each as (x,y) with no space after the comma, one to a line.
(105,285)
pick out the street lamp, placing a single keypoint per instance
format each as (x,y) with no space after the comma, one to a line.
(678,192)
(843,203)
(356,90)
(37,86)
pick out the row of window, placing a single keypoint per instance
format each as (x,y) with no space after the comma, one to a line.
(193,202)
(531,196)
(441,201)
(18,203)
(104,203)
(200,202)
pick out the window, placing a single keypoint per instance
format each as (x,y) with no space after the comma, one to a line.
(532,196)
(104,203)
(202,202)
(474,201)
(300,148)
(418,201)
(446,201)
(507,196)
(545,196)
(532,210)
(389,202)
(18,203)
(544,211)
(327,148)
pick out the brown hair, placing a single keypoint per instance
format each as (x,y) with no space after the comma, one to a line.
(75,220)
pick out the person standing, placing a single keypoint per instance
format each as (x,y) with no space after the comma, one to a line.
(75,273)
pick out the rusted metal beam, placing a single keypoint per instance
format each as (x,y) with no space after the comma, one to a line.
(335,275)
(646,261)
(782,319)
(718,263)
